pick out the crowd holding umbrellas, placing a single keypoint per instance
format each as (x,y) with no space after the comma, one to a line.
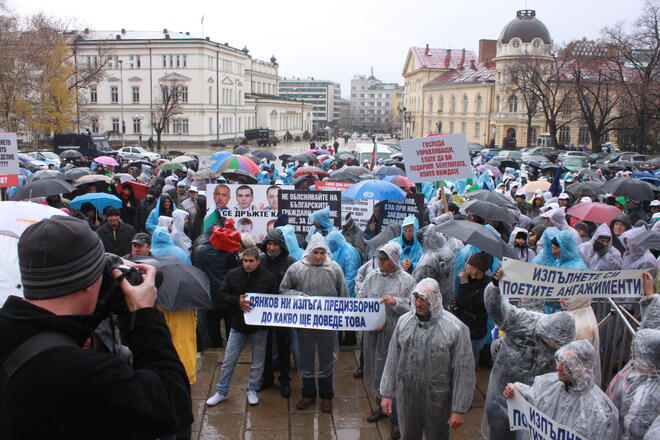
(445,260)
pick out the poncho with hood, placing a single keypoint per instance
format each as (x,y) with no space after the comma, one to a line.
(635,390)
(636,256)
(586,327)
(179,237)
(322,217)
(522,253)
(579,404)
(523,354)
(557,217)
(346,256)
(152,220)
(429,368)
(599,257)
(399,285)
(569,256)
(413,250)
(437,262)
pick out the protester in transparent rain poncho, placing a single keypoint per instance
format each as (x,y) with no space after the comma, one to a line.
(437,262)
(570,395)
(429,369)
(393,286)
(635,390)
(598,253)
(527,350)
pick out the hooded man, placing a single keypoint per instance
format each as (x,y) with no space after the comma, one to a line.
(619,225)
(353,234)
(164,207)
(527,351)
(598,253)
(635,390)
(429,370)
(411,247)
(437,261)
(393,286)
(637,257)
(277,260)
(557,217)
(518,240)
(318,275)
(570,395)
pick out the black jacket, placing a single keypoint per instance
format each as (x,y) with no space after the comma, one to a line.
(277,265)
(70,393)
(143,213)
(117,242)
(469,306)
(215,264)
(236,283)
(130,212)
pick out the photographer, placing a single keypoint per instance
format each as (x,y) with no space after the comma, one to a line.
(59,390)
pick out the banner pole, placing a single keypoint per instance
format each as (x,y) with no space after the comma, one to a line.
(445,204)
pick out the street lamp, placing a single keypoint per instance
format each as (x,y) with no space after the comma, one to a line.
(121,100)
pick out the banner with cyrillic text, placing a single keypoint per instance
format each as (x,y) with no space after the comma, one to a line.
(438,157)
(523,416)
(526,280)
(315,312)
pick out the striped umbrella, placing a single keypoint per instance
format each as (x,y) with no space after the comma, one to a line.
(235,162)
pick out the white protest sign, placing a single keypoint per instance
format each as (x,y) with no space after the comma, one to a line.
(440,157)
(8,160)
(315,312)
(526,280)
(524,416)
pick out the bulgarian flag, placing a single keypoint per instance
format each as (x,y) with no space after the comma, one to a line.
(373,155)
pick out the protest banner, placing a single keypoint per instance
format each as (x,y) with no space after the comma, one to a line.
(526,280)
(434,158)
(299,203)
(315,312)
(254,208)
(523,416)
(360,210)
(8,160)
(395,210)
(326,185)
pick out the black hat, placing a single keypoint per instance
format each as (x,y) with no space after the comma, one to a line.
(141,238)
(111,210)
(46,270)
(481,261)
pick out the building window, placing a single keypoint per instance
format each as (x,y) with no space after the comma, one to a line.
(477,104)
(515,43)
(115,125)
(513,104)
(430,106)
(477,129)
(465,104)
(180,125)
(452,105)
(135,92)
(210,125)
(564,135)
(95,125)
(137,61)
(451,127)
(464,128)
(532,136)
(438,125)
(605,137)
(131,62)
(164,61)
(441,104)
(183,94)
(114,94)
(184,60)
(211,95)
(137,126)
(171,60)
(583,136)
(93,94)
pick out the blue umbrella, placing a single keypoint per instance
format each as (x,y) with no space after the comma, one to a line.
(389,170)
(98,200)
(221,155)
(373,190)
(646,176)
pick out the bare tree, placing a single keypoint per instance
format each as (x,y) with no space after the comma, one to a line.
(168,107)
(635,55)
(523,90)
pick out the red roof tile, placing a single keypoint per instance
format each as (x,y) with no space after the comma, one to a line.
(443,58)
(470,73)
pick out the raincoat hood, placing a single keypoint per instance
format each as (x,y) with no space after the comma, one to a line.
(163,197)
(317,242)
(433,239)
(557,217)
(609,258)
(512,236)
(165,221)
(634,251)
(178,234)
(579,359)
(558,327)
(393,251)
(570,256)
(443,218)
(410,220)
(335,240)
(161,238)
(291,241)
(429,289)
(646,350)
(277,236)
(322,217)
(179,219)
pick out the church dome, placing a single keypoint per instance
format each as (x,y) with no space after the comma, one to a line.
(526,27)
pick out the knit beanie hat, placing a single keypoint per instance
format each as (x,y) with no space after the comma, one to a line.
(48,271)
(480,261)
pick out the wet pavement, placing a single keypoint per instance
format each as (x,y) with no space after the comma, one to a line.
(276,418)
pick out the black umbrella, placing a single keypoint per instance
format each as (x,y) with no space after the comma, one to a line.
(476,235)
(632,188)
(489,196)
(347,178)
(184,287)
(350,171)
(587,188)
(46,174)
(622,165)
(241,149)
(77,173)
(70,154)
(489,211)
(305,157)
(345,156)
(503,163)
(284,157)
(648,239)
(389,171)
(240,176)
(43,188)
(261,154)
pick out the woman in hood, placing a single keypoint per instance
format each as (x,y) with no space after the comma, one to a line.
(411,247)
(599,253)
(518,240)
(164,207)
(560,250)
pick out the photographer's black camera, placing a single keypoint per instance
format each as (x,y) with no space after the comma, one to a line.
(111,298)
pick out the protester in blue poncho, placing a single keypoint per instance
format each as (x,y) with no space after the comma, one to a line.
(346,256)
(163,246)
(321,223)
(411,247)
(291,241)
(268,174)
(560,250)
(164,207)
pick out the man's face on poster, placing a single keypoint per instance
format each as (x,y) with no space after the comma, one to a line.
(244,197)
(271,195)
(221,196)
(244,227)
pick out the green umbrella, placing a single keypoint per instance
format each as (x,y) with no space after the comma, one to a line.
(172,166)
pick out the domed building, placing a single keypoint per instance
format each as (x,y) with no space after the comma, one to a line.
(455,91)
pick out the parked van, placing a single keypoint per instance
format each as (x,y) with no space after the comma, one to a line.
(363,151)
(82,143)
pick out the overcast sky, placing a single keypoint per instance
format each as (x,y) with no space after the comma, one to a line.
(337,39)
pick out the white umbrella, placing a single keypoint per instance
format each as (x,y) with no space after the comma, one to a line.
(17,216)
(10,275)
(182,159)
